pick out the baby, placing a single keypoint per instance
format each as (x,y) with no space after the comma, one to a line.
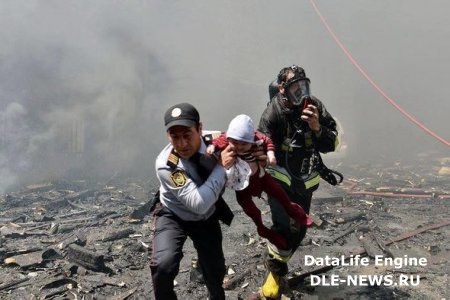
(242,136)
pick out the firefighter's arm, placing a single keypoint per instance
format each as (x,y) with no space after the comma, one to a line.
(267,123)
(326,138)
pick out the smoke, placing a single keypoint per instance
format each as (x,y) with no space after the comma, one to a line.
(13,139)
(79,86)
(84,84)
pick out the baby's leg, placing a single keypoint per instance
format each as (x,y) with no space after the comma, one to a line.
(244,199)
(295,211)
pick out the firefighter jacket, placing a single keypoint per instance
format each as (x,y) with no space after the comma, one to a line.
(297,146)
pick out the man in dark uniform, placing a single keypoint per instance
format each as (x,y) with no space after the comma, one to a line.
(300,127)
(190,204)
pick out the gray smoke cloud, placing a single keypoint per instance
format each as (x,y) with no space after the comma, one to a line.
(84,84)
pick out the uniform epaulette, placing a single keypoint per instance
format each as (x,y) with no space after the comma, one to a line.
(172,160)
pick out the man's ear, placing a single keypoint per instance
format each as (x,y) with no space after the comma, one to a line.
(200,127)
(281,88)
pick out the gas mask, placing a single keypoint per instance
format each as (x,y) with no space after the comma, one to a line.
(297,88)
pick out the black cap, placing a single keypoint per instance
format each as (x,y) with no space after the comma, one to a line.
(183,114)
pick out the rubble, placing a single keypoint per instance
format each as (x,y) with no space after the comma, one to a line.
(82,240)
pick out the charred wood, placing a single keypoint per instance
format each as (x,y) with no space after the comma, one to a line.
(118,235)
(13,283)
(86,258)
(299,278)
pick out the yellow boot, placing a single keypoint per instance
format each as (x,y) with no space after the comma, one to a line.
(271,286)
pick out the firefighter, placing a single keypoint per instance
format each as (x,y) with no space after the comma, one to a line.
(301,128)
(190,205)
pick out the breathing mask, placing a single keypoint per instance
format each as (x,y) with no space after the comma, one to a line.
(297,88)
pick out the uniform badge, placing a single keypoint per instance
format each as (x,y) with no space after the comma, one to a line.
(176,112)
(178,178)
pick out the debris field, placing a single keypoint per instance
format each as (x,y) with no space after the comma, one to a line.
(87,240)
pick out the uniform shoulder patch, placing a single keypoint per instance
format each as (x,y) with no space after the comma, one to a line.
(178,178)
(172,160)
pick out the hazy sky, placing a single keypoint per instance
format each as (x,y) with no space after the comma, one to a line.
(84,84)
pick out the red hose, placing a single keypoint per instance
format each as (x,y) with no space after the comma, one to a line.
(369,79)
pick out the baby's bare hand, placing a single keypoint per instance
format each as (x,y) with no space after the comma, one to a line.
(272,161)
(210,149)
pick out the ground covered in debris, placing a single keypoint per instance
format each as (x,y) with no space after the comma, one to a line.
(82,240)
